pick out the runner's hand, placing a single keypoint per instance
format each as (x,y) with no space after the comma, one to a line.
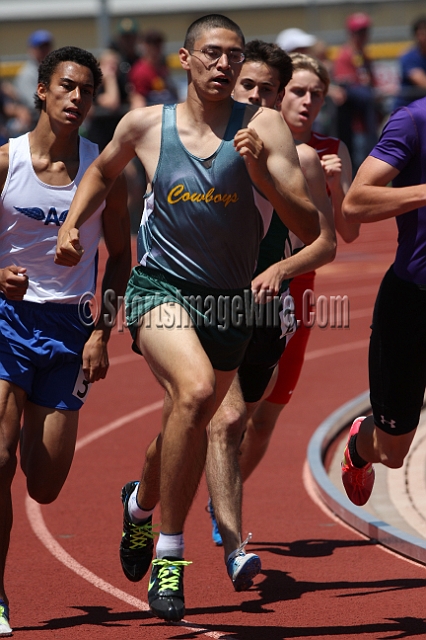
(13,282)
(250,147)
(68,247)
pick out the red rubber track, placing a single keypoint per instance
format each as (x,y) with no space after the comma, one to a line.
(319,579)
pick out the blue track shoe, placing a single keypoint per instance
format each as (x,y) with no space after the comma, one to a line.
(243,567)
(216,537)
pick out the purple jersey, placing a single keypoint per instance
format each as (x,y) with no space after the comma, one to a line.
(403,146)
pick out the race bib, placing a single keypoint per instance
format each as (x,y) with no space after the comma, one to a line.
(81,388)
(287,315)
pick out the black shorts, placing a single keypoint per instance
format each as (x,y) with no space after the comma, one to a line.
(397,356)
(271,333)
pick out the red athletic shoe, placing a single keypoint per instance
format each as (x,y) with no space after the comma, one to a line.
(358,483)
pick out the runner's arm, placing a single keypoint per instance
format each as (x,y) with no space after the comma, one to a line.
(319,252)
(13,279)
(94,188)
(338,174)
(116,233)
(370,199)
(271,158)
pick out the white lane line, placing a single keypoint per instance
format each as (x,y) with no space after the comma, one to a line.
(339,348)
(35,516)
(116,424)
(43,534)
(123,359)
(38,525)
(360,313)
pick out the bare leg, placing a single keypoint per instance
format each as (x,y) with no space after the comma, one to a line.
(47,449)
(193,391)
(374,445)
(222,468)
(149,486)
(12,400)
(257,436)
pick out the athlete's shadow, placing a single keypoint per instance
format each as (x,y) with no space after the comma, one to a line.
(408,627)
(92,616)
(311,548)
(279,586)
(276,586)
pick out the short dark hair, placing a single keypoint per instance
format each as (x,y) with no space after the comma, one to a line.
(66,54)
(419,23)
(271,55)
(207,23)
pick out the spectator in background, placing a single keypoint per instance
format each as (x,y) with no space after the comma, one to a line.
(111,101)
(127,45)
(110,104)
(352,70)
(150,83)
(40,43)
(15,118)
(413,67)
(150,76)
(296,40)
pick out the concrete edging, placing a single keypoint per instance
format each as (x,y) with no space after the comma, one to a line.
(387,535)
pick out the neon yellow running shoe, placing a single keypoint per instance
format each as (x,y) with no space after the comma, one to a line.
(165,589)
(5,630)
(137,540)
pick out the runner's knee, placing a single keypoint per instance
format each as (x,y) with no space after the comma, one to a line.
(195,397)
(8,464)
(43,492)
(228,424)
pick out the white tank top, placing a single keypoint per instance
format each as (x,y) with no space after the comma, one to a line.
(31,213)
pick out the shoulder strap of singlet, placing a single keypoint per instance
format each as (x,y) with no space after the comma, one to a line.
(235,121)
(168,120)
(168,133)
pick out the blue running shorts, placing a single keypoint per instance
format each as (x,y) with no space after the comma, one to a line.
(40,351)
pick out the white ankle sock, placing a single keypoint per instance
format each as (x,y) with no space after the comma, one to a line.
(137,514)
(170,545)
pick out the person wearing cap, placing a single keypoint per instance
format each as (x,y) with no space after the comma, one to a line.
(295,40)
(353,71)
(412,65)
(40,43)
(127,43)
(150,77)
(127,46)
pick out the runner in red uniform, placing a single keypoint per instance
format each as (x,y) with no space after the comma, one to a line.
(302,101)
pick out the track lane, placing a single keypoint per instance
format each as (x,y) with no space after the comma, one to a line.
(319,580)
